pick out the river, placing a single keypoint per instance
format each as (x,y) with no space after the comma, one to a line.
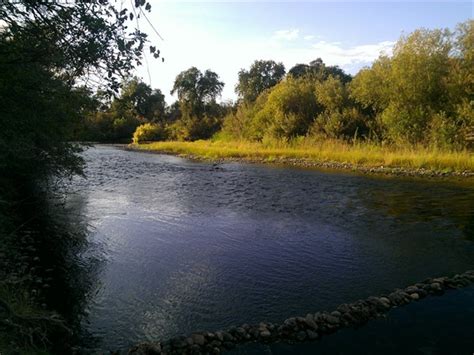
(181,246)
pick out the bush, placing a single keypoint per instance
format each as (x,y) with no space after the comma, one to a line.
(289,110)
(149,132)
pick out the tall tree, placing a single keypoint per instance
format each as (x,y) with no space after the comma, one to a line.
(196,90)
(262,75)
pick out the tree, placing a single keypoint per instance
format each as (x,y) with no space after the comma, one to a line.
(410,93)
(317,70)
(141,100)
(47,48)
(196,89)
(197,93)
(290,108)
(263,75)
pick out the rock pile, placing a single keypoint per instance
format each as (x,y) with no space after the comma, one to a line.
(308,328)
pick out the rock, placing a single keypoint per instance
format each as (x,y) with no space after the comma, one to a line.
(198,339)
(332,319)
(411,289)
(219,336)
(309,321)
(254,332)
(146,349)
(265,334)
(179,342)
(227,337)
(301,336)
(343,308)
(290,322)
(436,287)
(415,296)
(312,335)
(385,301)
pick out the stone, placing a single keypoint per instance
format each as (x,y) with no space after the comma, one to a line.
(301,336)
(290,322)
(179,342)
(146,349)
(411,289)
(415,296)
(343,308)
(312,335)
(332,319)
(436,287)
(219,336)
(227,336)
(265,334)
(309,321)
(198,339)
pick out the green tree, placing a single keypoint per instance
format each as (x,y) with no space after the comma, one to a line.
(195,90)
(317,70)
(288,111)
(263,75)
(411,89)
(199,112)
(47,48)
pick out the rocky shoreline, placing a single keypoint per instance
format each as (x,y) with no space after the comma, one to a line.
(308,328)
(333,165)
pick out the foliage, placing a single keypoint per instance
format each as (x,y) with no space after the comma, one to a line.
(262,75)
(289,109)
(424,92)
(117,120)
(47,48)
(200,115)
(316,70)
(196,89)
(149,132)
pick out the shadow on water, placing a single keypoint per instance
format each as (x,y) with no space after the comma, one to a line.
(48,269)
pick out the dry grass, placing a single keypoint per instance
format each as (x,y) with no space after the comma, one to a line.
(361,154)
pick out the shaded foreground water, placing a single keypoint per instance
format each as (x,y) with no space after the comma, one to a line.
(184,246)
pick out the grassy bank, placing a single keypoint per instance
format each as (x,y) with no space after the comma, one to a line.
(324,153)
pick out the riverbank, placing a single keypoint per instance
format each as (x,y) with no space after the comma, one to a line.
(308,328)
(365,158)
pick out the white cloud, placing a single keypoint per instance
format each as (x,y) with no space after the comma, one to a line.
(308,37)
(287,35)
(360,54)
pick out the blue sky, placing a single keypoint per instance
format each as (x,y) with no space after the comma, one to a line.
(227,36)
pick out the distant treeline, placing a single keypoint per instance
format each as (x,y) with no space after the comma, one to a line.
(422,94)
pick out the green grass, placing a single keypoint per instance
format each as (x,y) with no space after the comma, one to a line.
(359,155)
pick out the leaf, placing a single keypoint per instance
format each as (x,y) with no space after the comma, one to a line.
(148,6)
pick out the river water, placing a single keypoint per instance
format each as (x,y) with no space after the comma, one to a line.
(182,246)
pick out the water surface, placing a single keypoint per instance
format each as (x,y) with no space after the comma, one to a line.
(187,246)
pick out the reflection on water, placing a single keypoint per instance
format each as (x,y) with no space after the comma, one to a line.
(188,246)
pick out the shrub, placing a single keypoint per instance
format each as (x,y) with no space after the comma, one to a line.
(149,132)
